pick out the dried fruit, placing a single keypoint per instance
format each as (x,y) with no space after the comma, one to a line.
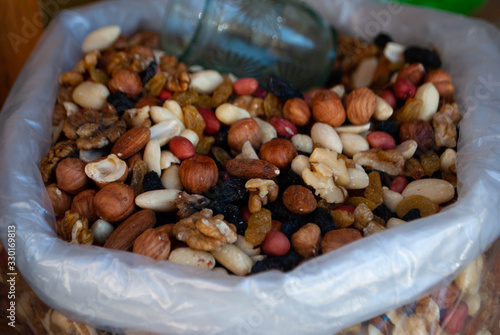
(259,224)
(193,120)
(373,191)
(423,204)
(222,93)
(430,162)
(203,147)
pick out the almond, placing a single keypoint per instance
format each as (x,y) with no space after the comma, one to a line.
(245,168)
(360,105)
(131,142)
(123,237)
(153,243)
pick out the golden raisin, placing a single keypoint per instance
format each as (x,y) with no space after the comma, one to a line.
(426,206)
(355,201)
(259,224)
(139,170)
(409,111)
(272,106)
(155,85)
(193,120)
(220,154)
(204,100)
(414,169)
(186,98)
(222,93)
(374,191)
(99,76)
(343,219)
(203,147)
(430,163)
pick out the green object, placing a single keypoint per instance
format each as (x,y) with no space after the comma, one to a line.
(466,7)
(251,38)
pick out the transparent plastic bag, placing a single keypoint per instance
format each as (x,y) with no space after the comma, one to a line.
(116,290)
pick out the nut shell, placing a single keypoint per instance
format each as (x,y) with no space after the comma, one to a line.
(115,202)
(327,107)
(299,199)
(241,131)
(360,105)
(70,175)
(279,152)
(198,174)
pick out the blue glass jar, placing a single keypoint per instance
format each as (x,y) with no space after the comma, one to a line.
(251,38)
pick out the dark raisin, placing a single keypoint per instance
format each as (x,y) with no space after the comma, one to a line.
(152,182)
(425,56)
(121,102)
(221,138)
(382,39)
(291,224)
(278,211)
(321,218)
(283,263)
(383,212)
(287,178)
(389,126)
(303,153)
(233,189)
(412,215)
(282,88)
(215,193)
(148,73)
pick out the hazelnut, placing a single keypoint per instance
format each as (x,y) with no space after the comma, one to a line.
(360,105)
(327,107)
(279,152)
(61,201)
(70,175)
(336,239)
(297,111)
(83,204)
(241,131)
(115,202)
(107,170)
(299,199)
(126,81)
(413,72)
(198,174)
(418,130)
(442,81)
(306,241)
(153,243)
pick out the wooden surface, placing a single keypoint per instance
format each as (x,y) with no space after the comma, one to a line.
(21,25)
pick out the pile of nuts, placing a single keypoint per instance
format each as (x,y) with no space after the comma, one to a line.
(196,167)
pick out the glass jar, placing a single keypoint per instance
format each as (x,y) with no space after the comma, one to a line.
(251,38)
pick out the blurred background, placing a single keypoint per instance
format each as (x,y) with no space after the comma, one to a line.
(22,23)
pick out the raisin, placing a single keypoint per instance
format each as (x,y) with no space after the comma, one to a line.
(259,224)
(413,214)
(414,169)
(282,88)
(220,138)
(232,214)
(374,191)
(285,263)
(203,147)
(99,76)
(220,155)
(287,178)
(291,224)
(383,212)
(425,56)
(222,93)
(148,73)
(410,111)
(203,101)
(278,211)
(389,126)
(233,189)
(430,163)
(426,206)
(322,219)
(355,201)
(186,98)
(139,170)
(193,120)
(382,39)
(272,106)
(152,182)
(155,85)
(121,102)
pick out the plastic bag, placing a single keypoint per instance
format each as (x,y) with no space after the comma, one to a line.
(116,290)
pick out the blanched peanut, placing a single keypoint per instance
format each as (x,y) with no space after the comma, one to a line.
(383,111)
(302,143)
(394,222)
(469,280)
(407,148)
(234,259)
(324,135)
(353,128)
(174,107)
(267,131)
(159,114)
(166,130)
(436,190)
(447,159)
(339,89)
(228,113)
(205,81)
(365,72)
(158,200)
(358,178)
(152,156)
(430,97)
(353,143)
(248,248)
(167,158)
(300,163)
(90,95)
(190,135)
(391,198)
(170,178)
(101,38)
(197,258)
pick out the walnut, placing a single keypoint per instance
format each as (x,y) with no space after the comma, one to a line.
(262,191)
(56,153)
(445,126)
(141,57)
(70,78)
(202,231)
(352,51)
(389,161)
(189,204)
(117,61)
(92,129)
(90,59)
(178,77)
(74,228)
